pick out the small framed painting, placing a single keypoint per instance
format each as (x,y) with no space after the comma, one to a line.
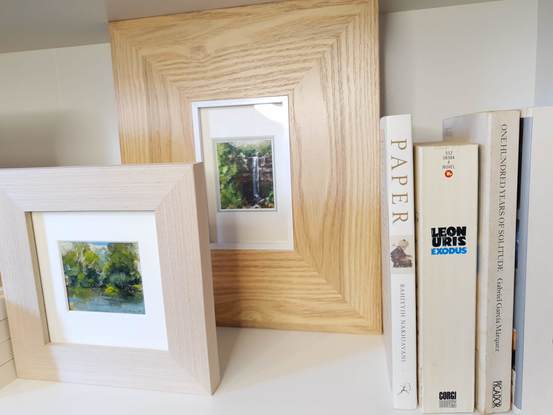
(102,276)
(100,288)
(245,178)
(245,147)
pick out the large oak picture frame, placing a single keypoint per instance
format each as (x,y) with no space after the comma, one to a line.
(323,56)
(176,195)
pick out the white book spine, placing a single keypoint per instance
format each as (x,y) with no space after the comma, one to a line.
(446,187)
(398,258)
(497,134)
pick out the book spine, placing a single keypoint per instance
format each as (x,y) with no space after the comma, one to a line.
(494,376)
(446,212)
(534,353)
(522,261)
(399,259)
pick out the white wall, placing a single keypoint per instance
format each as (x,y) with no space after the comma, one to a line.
(57,107)
(453,60)
(544,59)
(387,6)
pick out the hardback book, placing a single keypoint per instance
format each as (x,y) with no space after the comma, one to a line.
(533,330)
(497,133)
(398,258)
(446,190)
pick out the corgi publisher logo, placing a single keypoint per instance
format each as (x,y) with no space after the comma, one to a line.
(447,399)
(449,240)
(448,173)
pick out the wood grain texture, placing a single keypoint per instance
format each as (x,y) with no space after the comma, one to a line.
(176,194)
(323,55)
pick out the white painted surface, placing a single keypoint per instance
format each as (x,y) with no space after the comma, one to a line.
(388,6)
(264,372)
(148,330)
(57,107)
(447,61)
(31,24)
(544,58)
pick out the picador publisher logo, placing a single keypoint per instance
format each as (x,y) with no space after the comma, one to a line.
(447,399)
(449,240)
(497,393)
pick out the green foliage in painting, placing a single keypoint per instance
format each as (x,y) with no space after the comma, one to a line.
(245,174)
(82,266)
(231,163)
(103,276)
(121,269)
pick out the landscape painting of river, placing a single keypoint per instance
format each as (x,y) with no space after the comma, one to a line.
(102,276)
(245,174)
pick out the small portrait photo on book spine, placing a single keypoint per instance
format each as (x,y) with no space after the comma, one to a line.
(401,252)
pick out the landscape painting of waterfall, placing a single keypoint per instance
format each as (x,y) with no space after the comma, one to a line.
(102,276)
(245,174)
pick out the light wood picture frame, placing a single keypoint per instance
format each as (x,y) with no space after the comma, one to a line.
(176,196)
(322,56)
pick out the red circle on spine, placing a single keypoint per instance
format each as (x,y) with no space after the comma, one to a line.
(448,173)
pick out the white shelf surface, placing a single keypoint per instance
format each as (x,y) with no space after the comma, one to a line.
(264,372)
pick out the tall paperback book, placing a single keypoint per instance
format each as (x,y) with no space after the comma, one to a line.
(398,258)
(533,362)
(446,190)
(497,134)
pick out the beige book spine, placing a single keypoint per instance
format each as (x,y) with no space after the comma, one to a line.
(446,189)
(497,133)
